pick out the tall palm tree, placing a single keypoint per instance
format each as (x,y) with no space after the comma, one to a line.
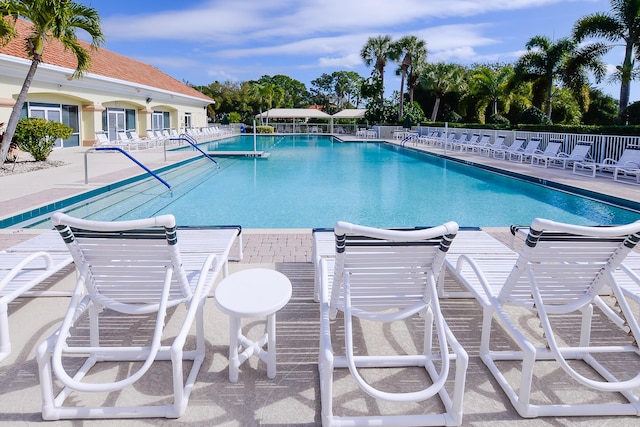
(440,79)
(622,24)
(376,52)
(412,50)
(51,20)
(546,63)
(413,78)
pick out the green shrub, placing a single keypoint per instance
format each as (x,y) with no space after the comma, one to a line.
(497,119)
(235,117)
(452,117)
(534,115)
(38,136)
(264,129)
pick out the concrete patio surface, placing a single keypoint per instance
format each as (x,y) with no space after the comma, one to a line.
(293,397)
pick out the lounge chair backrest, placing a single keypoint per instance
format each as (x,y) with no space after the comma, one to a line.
(102,139)
(567,265)
(532,146)
(128,264)
(388,269)
(499,142)
(516,145)
(123,136)
(580,152)
(630,158)
(552,149)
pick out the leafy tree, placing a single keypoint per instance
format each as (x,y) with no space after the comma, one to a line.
(566,110)
(412,50)
(631,115)
(547,62)
(376,52)
(336,90)
(322,90)
(603,109)
(52,20)
(295,93)
(346,85)
(440,79)
(377,113)
(623,23)
(38,136)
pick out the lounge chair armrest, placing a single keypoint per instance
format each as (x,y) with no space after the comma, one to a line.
(28,260)
(465,260)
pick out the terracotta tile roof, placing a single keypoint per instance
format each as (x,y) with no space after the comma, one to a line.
(103,62)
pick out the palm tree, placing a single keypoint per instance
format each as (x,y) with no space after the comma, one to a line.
(547,62)
(51,20)
(269,95)
(412,50)
(622,24)
(440,79)
(376,52)
(490,86)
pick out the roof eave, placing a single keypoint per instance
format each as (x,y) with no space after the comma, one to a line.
(17,67)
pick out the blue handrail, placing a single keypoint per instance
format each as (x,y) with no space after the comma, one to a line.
(149,171)
(194,144)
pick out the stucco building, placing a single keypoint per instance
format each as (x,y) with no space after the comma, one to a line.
(117,93)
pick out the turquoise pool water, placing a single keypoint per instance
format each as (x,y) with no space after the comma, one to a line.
(313,181)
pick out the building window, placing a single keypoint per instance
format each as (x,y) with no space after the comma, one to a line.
(116,120)
(66,114)
(187,121)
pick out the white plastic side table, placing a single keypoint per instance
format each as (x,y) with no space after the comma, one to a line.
(255,292)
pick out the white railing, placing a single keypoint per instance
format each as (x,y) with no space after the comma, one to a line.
(604,146)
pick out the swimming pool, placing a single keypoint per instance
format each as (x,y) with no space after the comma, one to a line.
(312,181)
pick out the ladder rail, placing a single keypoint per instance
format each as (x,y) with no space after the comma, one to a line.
(149,171)
(191,141)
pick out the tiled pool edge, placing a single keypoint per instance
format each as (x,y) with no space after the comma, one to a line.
(601,197)
(69,201)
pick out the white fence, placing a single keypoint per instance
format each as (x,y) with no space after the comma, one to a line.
(604,146)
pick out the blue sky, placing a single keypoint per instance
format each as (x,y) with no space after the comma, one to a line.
(204,41)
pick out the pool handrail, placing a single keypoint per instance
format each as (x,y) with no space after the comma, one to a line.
(149,171)
(194,144)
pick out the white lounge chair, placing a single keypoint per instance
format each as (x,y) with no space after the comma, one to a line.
(127,143)
(149,141)
(527,152)
(551,150)
(627,172)
(558,277)
(103,141)
(463,146)
(128,271)
(484,141)
(22,268)
(389,276)
(629,160)
(455,141)
(580,153)
(515,147)
(498,144)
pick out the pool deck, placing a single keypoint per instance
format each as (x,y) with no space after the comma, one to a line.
(293,397)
